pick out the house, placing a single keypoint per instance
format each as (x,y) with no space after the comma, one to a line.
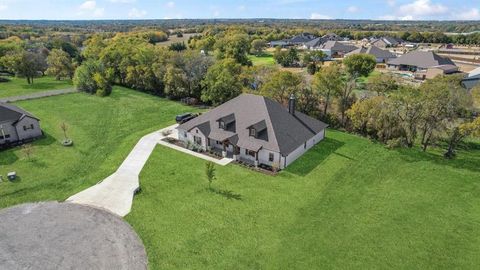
(17,126)
(472,79)
(336,49)
(421,61)
(332,37)
(314,44)
(298,40)
(434,71)
(256,130)
(382,56)
(386,42)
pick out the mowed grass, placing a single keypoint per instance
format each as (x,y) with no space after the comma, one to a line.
(346,204)
(104,131)
(265,59)
(19,86)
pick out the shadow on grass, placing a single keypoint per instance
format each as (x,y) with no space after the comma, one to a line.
(315,156)
(226,193)
(8,157)
(468,157)
(46,140)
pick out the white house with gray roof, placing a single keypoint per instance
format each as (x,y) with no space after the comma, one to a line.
(255,129)
(17,125)
(382,56)
(472,79)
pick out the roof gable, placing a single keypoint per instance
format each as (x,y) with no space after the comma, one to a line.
(421,59)
(9,112)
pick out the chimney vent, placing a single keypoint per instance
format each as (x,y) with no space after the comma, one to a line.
(291,104)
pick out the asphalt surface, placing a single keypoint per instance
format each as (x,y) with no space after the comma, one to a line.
(55,235)
(49,93)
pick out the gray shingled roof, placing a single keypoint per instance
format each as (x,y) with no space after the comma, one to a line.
(284,132)
(9,112)
(338,46)
(373,50)
(316,42)
(421,59)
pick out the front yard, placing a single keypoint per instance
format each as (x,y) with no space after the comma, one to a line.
(347,204)
(104,131)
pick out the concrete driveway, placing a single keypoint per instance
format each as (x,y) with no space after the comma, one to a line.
(55,235)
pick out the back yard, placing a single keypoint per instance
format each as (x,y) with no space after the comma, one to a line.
(19,86)
(347,204)
(104,131)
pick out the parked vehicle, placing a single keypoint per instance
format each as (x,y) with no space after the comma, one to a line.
(183,118)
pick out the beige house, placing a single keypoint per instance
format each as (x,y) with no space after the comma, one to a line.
(254,129)
(17,125)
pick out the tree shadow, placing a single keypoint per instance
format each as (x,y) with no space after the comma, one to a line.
(226,193)
(315,156)
(464,159)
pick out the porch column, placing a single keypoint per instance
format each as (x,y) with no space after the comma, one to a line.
(256,159)
(224,152)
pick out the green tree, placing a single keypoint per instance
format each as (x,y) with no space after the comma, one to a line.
(459,133)
(360,64)
(91,77)
(25,64)
(258,45)
(60,64)
(328,83)
(382,84)
(281,85)
(406,105)
(222,82)
(210,173)
(236,46)
(175,82)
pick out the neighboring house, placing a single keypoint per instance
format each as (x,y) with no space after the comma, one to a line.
(17,125)
(255,129)
(386,42)
(298,40)
(382,56)
(336,49)
(332,37)
(420,62)
(472,79)
(434,71)
(314,44)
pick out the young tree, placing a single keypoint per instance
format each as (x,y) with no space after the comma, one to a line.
(60,64)
(281,85)
(222,82)
(64,128)
(358,65)
(459,133)
(345,95)
(210,173)
(258,45)
(327,83)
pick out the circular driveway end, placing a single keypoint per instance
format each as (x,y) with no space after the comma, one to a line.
(54,235)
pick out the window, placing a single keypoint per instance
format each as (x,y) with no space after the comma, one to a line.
(250,153)
(197,140)
(6,136)
(305,145)
(270,157)
(253,132)
(185,134)
(221,124)
(31,126)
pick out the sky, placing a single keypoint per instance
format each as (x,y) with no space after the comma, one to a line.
(194,9)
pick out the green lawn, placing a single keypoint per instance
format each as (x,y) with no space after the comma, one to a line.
(265,59)
(104,131)
(347,204)
(19,86)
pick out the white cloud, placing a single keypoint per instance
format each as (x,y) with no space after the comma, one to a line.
(391,3)
(473,14)
(3,7)
(88,5)
(421,8)
(170,4)
(352,9)
(123,1)
(318,16)
(135,13)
